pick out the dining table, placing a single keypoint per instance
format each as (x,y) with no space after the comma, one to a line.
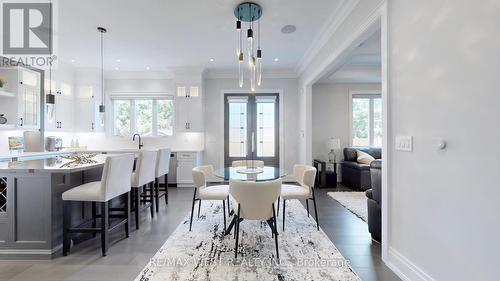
(243,173)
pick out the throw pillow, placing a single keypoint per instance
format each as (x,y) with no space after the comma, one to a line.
(364,158)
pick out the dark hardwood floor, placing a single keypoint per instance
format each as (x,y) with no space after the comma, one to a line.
(127,257)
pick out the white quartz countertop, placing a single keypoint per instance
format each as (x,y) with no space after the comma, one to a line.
(28,155)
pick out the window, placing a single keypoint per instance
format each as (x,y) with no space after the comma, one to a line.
(366,119)
(145,116)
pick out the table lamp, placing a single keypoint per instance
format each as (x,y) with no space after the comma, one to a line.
(332,144)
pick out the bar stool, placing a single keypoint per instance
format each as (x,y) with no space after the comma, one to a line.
(144,177)
(115,182)
(162,168)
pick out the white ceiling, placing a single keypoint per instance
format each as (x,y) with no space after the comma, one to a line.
(165,34)
(362,66)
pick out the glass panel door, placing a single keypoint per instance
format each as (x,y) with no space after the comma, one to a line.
(251,128)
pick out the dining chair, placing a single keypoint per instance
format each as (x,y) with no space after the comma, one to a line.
(304,176)
(255,201)
(204,192)
(162,169)
(142,183)
(249,163)
(115,182)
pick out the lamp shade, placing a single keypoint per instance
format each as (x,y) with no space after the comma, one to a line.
(333,144)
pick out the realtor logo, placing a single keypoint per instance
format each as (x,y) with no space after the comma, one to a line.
(27,32)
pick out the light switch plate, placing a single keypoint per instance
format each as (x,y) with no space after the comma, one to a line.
(404,143)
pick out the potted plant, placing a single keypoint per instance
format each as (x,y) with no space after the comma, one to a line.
(2,82)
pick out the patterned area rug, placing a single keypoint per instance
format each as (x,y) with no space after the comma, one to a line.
(353,201)
(205,254)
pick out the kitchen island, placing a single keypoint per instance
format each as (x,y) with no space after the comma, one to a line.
(31,203)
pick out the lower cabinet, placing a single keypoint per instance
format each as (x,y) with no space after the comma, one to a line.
(186,161)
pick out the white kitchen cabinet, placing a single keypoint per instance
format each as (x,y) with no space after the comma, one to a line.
(186,161)
(64,112)
(189,109)
(85,120)
(28,98)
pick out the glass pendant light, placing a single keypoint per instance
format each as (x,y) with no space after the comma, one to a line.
(259,58)
(102,108)
(252,75)
(238,29)
(250,45)
(240,69)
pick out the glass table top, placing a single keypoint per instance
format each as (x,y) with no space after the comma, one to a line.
(266,173)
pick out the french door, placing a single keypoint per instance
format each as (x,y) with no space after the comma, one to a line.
(251,128)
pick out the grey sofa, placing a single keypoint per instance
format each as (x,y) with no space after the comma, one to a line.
(355,175)
(374,201)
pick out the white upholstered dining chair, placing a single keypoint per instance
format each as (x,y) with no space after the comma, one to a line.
(255,201)
(249,163)
(204,192)
(115,182)
(304,175)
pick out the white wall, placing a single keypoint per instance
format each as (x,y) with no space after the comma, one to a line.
(330,115)
(444,64)
(214,117)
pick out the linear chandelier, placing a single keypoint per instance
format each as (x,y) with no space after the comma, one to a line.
(249,12)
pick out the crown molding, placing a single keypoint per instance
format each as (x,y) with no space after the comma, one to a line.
(329,28)
(233,74)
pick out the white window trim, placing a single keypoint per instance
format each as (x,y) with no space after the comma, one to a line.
(368,93)
(138,96)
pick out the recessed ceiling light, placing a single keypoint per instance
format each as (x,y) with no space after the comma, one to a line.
(73,60)
(276,59)
(116,68)
(147,68)
(118,60)
(287,29)
(212,59)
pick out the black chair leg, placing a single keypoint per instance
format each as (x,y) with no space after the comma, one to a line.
(104,227)
(284,214)
(166,189)
(278,209)
(275,230)
(66,226)
(307,207)
(94,219)
(137,204)
(152,199)
(224,212)
(199,208)
(192,210)
(237,230)
(157,194)
(228,208)
(315,209)
(127,214)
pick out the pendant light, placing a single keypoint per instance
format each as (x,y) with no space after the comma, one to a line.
(50,98)
(102,108)
(249,12)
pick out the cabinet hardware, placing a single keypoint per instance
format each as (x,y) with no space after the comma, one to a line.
(92,126)
(21,122)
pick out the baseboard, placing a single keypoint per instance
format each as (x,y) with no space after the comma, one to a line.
(404,268)
(22,254)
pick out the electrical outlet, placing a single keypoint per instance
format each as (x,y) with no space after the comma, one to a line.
(404,143)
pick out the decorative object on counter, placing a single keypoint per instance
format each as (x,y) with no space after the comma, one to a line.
(102,108)
(32,141)
(333,144)
(16,145)
(78,160)
(3,120)
(2,83)
(53,144)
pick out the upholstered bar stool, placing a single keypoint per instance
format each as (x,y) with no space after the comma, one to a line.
(115,182)
(305,176)
(162,167)
(142,183)
(204,192)
(249,163)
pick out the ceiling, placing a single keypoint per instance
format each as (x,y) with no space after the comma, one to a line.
(362,66)
(165,34)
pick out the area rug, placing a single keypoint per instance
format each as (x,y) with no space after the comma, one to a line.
(353,201)
(206,254)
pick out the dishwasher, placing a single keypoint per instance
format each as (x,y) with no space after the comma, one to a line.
(172,170)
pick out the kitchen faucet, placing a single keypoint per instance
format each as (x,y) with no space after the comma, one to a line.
(140,141)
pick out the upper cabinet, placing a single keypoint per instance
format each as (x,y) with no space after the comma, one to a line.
(189,108)
(20,98)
